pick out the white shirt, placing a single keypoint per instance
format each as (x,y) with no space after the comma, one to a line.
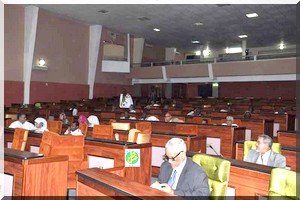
(233,125)
(152,118)
(178,173)
(191,113)
(74,112)
(25,125)
(127,103)
(76,132)
(264,157)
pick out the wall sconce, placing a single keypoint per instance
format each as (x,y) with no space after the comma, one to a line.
(41,65)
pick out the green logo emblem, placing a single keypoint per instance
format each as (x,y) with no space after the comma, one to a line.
(132,157)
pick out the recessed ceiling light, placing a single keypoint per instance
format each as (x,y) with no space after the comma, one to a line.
(195,41)
(251,15)
(198,24)
(103,11)
(243,36)
(156,29)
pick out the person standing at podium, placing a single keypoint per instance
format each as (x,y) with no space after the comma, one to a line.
(180,175)
(125,99)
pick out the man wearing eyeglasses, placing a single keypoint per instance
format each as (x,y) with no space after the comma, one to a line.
(180,175)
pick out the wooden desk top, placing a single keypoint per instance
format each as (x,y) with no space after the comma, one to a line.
(119,184)
(23,155)
(123,143)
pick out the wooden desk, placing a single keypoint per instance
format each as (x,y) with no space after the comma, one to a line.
(35,175)
(116,150)
(34,139)
(105,148)
(228,135)
(287,138)
(288,152)
(257,126)
(97,182)
(247,179)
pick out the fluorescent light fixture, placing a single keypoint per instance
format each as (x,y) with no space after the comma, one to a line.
(156,29)
(233,50)
(197,53)
(243,36)
(198,24)
(206,52)
(215,84)
(281,46)
(195,41)
(251,15)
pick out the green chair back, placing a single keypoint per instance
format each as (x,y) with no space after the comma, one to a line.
(217,171)
(251,145)
(283,184)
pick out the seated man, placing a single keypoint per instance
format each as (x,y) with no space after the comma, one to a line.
(170,118)
(180,175)
(196,112)
(73,129)
(229,122)
(264,155)
(204,121)
(40,125)
(22,123)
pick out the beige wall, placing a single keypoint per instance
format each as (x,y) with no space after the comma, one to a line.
(64,44)
(109,77)
(191,70)
(154,54)
(13,42)
(261,67)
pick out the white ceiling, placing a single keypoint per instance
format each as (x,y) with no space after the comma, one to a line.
(221,25)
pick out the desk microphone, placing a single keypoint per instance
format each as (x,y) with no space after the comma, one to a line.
(220,155)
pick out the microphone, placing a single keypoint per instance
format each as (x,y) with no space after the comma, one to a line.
(220,155)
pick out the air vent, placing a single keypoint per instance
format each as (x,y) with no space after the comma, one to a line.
(223,5)
(143,18)
(103,11)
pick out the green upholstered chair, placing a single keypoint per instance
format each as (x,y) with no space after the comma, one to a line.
(217,170)
(249,145)
(283,184)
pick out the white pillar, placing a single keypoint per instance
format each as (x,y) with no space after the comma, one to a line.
(244,47)
(94,45)
(31,17)
(138,48)
(170,54)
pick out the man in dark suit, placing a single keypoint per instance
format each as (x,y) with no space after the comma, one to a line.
(264,155)
(180,175)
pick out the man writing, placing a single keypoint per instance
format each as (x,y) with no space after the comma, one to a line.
(180,175)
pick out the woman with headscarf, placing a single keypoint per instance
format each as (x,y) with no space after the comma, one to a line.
(82,119)
(63,118)
(125,99)
(93,120)
(40,125)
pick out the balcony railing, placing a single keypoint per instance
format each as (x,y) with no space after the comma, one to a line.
(236,58)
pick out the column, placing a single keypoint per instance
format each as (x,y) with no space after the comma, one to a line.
(94,45)
(31,17)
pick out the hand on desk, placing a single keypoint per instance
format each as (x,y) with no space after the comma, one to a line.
(163,187)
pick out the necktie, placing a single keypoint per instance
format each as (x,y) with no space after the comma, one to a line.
(172,179)
(262,161)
